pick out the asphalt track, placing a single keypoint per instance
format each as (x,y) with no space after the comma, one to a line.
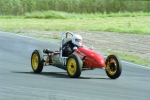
(18,82)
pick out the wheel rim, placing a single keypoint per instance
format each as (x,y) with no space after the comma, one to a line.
(72,66)
(35,61)
(111,66)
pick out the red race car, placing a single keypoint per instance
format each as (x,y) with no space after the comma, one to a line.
(82,58)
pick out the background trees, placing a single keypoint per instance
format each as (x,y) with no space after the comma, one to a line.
(20,7)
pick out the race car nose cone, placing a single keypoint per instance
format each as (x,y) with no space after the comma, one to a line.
(102,63)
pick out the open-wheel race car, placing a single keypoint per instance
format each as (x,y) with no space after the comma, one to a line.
(82,58)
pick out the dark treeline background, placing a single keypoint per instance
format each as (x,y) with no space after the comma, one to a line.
(20,7)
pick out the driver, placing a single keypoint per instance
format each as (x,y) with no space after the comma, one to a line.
(75,42)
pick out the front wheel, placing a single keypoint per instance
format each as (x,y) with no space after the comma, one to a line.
(37,61)
(113,67)
(74,66)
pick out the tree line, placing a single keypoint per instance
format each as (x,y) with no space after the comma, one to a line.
(20,7)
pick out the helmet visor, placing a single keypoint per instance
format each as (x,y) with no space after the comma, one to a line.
(78,40)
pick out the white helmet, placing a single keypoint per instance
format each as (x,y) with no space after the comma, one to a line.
(77,40)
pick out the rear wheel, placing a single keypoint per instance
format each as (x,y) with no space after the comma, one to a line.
(113,67)
(74,66)
(37,61)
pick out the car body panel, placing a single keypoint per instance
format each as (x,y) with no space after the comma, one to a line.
(92,58)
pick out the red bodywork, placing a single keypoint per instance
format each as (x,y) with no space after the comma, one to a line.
(92,58)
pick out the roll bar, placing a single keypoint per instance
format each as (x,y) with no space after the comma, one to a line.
(61,41)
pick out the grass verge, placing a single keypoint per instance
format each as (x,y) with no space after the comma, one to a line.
(136,22)
(135,25)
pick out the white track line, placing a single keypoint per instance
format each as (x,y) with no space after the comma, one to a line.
(145,67)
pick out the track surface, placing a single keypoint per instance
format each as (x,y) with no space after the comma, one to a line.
(18,82)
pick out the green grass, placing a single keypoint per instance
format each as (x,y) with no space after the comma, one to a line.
(49,15)
(63,15)
(135,25)
(131,58)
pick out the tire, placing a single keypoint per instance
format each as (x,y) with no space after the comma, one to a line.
(113,67)
(74,66)
(37,61)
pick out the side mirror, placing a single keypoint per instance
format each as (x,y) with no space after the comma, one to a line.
(91,47)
